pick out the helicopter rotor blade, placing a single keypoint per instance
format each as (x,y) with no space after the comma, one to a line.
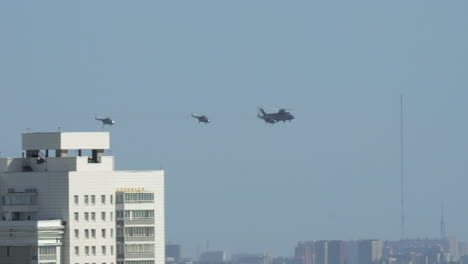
(284,108)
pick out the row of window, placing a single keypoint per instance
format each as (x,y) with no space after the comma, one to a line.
(47,251)
(140,231)
(136,214)
(91,199)
(91,263)
(91,233)
(91,216)
(91,250)
(135,198)
(136,262)
(20,199)
(135,248)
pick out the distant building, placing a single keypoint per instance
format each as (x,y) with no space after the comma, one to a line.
(252,259)
(173,253)
(464,260)
(336,252)
(452,248)
(352,252)
(321,252)
(434,250)
(212,257)
(462,249)
(281,260)
(304,252)
(369,251)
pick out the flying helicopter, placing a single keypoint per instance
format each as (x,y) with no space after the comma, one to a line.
(283,114)
(201,118)
(106,121)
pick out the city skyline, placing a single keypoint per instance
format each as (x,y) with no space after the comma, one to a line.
(332,173)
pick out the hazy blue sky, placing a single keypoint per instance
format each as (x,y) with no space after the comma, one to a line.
(244,185)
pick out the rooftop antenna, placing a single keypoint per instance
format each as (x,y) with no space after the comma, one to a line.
(443,234)
(403,235)
(59,128)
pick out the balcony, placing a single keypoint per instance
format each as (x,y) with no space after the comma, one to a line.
(25,202)
(31,233)
(138,255)
(135,239)
(128,221)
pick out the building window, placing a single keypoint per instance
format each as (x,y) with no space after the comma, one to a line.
(139,248)
(77,233)
(103,199)
(103,250)
(77,217)
(86,233)
(20,199)
(137,262)
(86,216)
(111,216)
(77,251)
(47,251)
(139,214)
(120,249)
(120,231)
(93,250)
(86,250)
(93,199)
(112,250)
(103,233)
(93,233)
(93,216)
(139,231)
(139,197)
(119,198)
(103,216)
(76,200)
(86,199)
(111,199)
(119,214)
(112,233)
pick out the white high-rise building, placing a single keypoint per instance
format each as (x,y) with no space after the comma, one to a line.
(63,203)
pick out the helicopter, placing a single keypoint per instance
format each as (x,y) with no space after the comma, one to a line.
(106,121)
(201,118)
(272,118)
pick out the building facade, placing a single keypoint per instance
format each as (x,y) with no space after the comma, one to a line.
(62,202)
(336,252)
(369,251)
(304,252)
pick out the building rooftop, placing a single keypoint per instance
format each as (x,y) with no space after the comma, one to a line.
(65,140)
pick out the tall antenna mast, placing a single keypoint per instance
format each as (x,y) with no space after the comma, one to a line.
(402,170)
(443,234)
